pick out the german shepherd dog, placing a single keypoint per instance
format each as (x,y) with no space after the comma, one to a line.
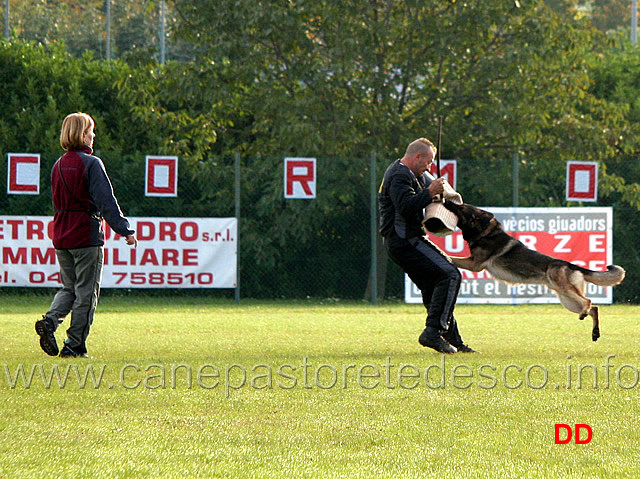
(507,259)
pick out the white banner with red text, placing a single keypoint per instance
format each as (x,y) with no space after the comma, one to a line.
(582,236)
(171,253)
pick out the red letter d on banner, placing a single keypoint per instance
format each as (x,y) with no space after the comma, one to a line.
(569,434)
(589,434)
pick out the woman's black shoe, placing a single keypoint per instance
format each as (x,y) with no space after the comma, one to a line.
(45,329)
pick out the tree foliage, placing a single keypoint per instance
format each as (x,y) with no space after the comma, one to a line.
(134,27)
(347,78)
(615,79)
(606,15)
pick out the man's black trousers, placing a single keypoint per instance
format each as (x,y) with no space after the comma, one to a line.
(432,272)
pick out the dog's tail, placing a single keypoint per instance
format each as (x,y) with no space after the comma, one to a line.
(614,275)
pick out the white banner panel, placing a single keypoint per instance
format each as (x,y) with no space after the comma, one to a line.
(161,176)
(23,173)
(300,178)
(448,170)
(171,253)
(582,181)
(579,235)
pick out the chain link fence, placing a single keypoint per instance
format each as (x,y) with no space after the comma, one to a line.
(319,248)
(108,28)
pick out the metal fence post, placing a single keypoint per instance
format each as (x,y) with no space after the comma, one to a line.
(516,178)
(108,28)
(6,19)
(237,212)
(162,33)
(374,229)
(634,21)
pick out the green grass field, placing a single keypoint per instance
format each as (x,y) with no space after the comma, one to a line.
(188,387)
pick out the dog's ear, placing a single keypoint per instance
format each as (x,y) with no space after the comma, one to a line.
(487,215)
(475,219)
(484,218)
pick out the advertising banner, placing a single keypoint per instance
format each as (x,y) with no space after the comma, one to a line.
(171,253)
(582,236)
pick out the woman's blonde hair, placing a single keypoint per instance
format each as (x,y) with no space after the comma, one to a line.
(74,126)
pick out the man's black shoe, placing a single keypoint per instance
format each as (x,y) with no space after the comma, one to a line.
(463,348)
(431,338)
(45,329)
(67,352)
(453,338)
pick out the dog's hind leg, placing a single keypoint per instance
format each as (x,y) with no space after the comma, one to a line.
(574,302)
(570,286)
(595,332)
(584,307)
